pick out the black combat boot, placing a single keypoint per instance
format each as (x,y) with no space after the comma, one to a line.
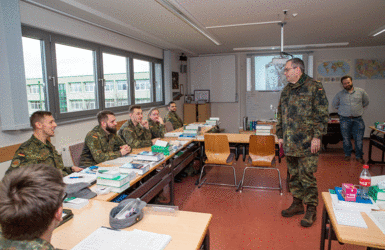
(295,208)
(310,216)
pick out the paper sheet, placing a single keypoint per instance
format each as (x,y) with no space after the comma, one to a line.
(104,238)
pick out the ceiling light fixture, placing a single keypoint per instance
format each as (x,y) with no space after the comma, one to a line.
(241,24)
(303,46)
(377,31)
(182,14)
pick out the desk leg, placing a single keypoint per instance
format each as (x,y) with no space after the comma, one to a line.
(244,152)
(206,241)
(370,161)
(323,228)
(172,194)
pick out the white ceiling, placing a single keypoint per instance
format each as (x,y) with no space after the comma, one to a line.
(318,21)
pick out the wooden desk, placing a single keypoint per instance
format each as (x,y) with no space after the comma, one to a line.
(154,184)
(377,139)
(188,230)
(371,237)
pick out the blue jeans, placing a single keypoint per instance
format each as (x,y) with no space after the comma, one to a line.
(352,127)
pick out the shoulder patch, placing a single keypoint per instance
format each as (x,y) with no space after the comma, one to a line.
(20,154)
(15,163)
(95,136)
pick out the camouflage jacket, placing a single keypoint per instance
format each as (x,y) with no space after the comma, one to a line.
(36,244)
(35,151)
(174,119)
(157,130)
(135,136)
(302,115)
(100,147)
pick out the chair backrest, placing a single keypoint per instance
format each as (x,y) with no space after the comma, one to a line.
(119,124)
(262,145)
(217,148)
(168,126)
(76,151)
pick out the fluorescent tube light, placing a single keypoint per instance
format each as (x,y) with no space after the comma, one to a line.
(377,31)
(241,24)
(303,46)
(178,11)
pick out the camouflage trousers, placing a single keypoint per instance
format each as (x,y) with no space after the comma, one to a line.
(302,183)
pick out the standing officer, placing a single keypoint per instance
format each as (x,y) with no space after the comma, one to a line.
(350,103)
(302,120)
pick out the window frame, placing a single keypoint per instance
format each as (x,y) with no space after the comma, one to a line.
(52,100)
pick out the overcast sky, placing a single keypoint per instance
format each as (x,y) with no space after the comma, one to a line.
(73,61)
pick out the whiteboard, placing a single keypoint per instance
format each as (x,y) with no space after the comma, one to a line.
(259,104)
(215,73)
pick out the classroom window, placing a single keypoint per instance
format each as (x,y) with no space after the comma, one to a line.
(265,75)
(115,68)
(142,77)
(34,74)
(73,78)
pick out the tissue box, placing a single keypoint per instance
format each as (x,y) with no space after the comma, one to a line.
(349,192)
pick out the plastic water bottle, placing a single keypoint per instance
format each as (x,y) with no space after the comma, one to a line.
(365,182)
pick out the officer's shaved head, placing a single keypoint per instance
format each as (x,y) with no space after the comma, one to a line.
(38,116)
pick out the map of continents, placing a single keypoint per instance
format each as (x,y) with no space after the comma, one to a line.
(369,69)
(333,68)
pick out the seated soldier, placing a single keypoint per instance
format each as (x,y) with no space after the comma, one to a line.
(31,200)
(156,124)
(102,143)
(173,117)
(38,149)
(135,131)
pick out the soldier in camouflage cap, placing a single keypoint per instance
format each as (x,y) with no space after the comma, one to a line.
(156,124)
(136,131)
(173,117)
(31,207)
(38,149)
(302,120)
(102,143)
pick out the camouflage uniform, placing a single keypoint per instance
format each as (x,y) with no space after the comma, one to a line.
(35,151)
(174,119)
(135,136)
(99,147)
(302,116)
(157,130)
(36,244)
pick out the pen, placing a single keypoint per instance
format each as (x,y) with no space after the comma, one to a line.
(76,177)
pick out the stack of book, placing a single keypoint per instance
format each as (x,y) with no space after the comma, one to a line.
(263,129)
(191,131)
(214,121)
(149,156)
(134,167)
(113,179)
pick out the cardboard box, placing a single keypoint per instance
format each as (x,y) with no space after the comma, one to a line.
(349,192)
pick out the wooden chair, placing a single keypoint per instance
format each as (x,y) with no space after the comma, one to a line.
(218,154)
(75,152)
(261,156)
(168,126)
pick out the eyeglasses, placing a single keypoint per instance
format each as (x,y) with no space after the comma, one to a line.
(287,69)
